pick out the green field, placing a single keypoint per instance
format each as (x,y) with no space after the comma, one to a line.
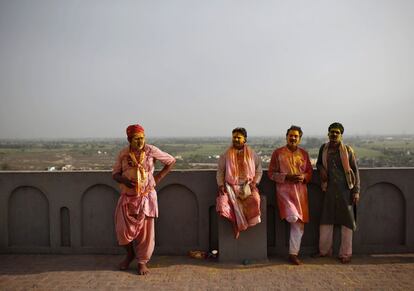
(191,153)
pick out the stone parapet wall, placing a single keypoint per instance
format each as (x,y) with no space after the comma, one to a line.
(72,212)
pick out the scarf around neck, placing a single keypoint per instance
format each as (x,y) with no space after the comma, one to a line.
(349,174)
(232,167)
(139,164)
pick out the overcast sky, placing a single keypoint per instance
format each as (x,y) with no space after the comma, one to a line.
(86,68)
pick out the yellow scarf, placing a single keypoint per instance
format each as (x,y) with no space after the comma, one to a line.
(141,172)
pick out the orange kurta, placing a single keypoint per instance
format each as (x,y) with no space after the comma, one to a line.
(292,198)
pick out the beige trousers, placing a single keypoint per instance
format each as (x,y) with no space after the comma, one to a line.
(326,237)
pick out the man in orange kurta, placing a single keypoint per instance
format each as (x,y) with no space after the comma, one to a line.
(291,169)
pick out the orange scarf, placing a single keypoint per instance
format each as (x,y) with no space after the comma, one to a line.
(232,166)
(141,172)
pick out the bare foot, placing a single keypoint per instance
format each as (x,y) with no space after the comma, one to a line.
(142,269)
(124,265)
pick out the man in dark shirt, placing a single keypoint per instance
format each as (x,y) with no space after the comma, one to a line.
(340,183)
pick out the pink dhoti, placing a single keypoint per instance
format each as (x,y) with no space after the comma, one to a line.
(243,213)
(131,224)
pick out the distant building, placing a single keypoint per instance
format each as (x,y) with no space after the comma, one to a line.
(67,168)
(214,157)
(265,159)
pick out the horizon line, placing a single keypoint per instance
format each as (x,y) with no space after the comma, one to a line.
(207,136)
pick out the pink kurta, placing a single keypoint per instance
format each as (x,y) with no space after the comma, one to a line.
(134,207)
(292,198)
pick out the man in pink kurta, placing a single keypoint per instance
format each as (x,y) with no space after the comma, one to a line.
(137,206)
(239,171)
(291,169)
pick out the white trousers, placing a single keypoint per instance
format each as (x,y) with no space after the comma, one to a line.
(296,233)
(326,237)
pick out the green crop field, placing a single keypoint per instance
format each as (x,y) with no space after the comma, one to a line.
(191,153)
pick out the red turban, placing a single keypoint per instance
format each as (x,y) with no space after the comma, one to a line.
(133,129)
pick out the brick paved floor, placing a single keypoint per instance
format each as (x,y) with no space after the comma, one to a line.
(99,272)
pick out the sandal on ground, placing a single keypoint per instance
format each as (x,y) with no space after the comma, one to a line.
(295,260)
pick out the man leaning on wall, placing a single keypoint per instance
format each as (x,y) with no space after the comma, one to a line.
(291,169)
(341,186)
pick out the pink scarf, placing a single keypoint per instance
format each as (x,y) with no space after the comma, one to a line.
(232,170)
(349,174)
